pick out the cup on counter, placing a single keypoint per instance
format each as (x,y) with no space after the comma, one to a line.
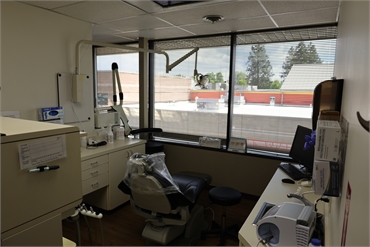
(119,133)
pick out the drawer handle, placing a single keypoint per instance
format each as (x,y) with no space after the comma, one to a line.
(95,184)
(94,163)
(94,173)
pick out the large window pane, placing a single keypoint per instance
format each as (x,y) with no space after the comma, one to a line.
(275,84)
(182,106)
(128,67)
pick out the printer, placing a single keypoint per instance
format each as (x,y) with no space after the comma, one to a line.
(285,224)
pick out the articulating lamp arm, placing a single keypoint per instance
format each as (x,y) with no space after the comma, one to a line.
(123,47)
(181,59)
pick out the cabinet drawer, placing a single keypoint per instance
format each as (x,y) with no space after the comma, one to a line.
(94,162)
(45,233)
(94,172)
(95,183)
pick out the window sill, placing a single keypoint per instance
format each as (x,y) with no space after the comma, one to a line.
(250,152)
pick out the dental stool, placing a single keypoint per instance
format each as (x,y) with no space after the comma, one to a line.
(223,196)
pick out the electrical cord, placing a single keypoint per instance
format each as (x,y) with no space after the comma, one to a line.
(213,216)
(324,199)
(319,231)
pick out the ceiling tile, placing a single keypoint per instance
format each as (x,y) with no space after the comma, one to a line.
(50,4)
(143,22)
(306,18)
(231,10)
(276,7)
(112,39)
(100,11)
(162,33)
(122,20)
(100,30)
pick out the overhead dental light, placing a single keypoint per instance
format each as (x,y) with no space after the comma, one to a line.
(202,80)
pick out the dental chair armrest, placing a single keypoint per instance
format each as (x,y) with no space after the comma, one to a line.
(124,188)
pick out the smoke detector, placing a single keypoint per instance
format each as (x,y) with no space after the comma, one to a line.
(213,18)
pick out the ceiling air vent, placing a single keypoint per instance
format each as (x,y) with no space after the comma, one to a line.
(166,4)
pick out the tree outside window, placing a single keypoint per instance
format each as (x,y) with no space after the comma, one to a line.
(259,68)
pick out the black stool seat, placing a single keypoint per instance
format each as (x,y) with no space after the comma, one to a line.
(223,196)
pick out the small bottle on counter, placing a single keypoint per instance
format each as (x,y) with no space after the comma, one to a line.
(110,134)
(83,141)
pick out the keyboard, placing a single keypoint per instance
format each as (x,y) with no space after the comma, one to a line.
(293,172)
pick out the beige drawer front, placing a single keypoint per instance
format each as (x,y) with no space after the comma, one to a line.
(94,172)
(46,233)
(94,162)
(95,183)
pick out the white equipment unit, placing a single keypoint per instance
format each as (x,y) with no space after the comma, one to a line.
(285,224)
(105,116)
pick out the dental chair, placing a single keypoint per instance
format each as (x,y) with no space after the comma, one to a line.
(151,146)
(167,202)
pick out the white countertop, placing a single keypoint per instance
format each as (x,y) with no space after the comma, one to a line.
(88,153)
(275,192)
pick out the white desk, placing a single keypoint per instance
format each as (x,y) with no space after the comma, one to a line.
(275,192)
(103,168)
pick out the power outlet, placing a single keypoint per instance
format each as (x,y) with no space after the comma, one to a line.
(78,87)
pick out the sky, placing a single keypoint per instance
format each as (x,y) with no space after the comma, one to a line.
(216,59)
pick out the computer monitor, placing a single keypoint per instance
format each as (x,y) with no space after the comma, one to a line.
(298,154)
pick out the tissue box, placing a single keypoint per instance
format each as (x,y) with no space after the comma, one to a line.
(328,135)
(51,113)
(209,142)
(325,178)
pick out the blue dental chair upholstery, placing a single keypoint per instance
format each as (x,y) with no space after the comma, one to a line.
(167,202)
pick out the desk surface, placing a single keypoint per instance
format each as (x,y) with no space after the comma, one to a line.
(275,192)
(88,153)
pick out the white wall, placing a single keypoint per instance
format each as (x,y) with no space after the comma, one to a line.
(36,45)
(352,65)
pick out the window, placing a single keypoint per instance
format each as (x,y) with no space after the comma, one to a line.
(274,89)
(183,103)
(275,74)
(128,67)
(273,77)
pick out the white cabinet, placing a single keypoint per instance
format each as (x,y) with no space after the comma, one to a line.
(117,170)
(47,232)
(34,203)
(102,174)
